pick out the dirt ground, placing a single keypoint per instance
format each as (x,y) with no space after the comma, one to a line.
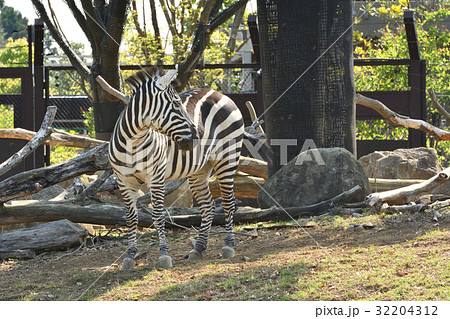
(93,271)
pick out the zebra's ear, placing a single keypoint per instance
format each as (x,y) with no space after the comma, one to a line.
(164,81)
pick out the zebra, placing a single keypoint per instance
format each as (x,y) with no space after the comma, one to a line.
(163,136)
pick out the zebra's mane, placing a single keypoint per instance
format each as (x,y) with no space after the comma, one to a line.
(151,73)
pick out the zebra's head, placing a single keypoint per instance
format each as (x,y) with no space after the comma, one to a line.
(162,109)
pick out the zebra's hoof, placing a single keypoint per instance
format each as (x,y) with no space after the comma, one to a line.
(165,261)
(194,255)
(227,252)
(128,263)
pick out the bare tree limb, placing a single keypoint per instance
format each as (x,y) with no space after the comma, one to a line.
(439,107)
(108,88)
(79,65)
(57,138)
(409,193)
(30,182)
(156,31)
(402,120)
(201,40)
(43,133)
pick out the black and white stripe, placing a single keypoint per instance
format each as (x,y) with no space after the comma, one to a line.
(162,136)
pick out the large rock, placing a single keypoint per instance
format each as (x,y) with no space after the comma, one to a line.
(413,163)
(314,176)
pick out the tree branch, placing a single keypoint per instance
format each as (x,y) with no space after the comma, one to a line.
(402,120)
(409,193)
(108,88)
(439,107)
(95,25)
(57,138)
(43,133)
(81,19)
(31,182)
(202,36)
(79,65)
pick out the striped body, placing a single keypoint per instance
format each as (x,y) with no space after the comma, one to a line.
(150,146)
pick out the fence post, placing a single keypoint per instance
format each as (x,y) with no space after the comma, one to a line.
(39,102)
(417,80)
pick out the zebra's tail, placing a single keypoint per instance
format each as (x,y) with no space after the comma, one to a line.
(256,145)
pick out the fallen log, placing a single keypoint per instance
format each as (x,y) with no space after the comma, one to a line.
(32,181)
(385,184)
(253,167)
(394,209)
(409,193)
(18,254)
(104,213)
(402,120)
(56,138)
(244,186)
(56,235)
(43,133)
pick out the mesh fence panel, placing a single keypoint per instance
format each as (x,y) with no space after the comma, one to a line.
(312,39)
(224,80)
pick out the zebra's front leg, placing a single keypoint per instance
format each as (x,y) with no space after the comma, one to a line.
(226,183)
(159,220)
(200,190)
(130,198)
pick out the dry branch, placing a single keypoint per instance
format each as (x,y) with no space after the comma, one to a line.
(57,138)
(32,181)
(439,107)
(252,112)
(394,209)
(402,120)
(43,133)
(108,88)
(409,193)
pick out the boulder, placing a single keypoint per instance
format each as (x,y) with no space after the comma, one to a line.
(314,176)
(413,163)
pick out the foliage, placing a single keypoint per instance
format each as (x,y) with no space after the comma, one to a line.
(434,43)
(142,46)
(61,154)
(64,82)
(13,23)
(89,121)
(15,53)
(6,116)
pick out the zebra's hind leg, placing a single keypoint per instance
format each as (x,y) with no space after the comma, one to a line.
(200,190)
(130,198)
(225,177)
